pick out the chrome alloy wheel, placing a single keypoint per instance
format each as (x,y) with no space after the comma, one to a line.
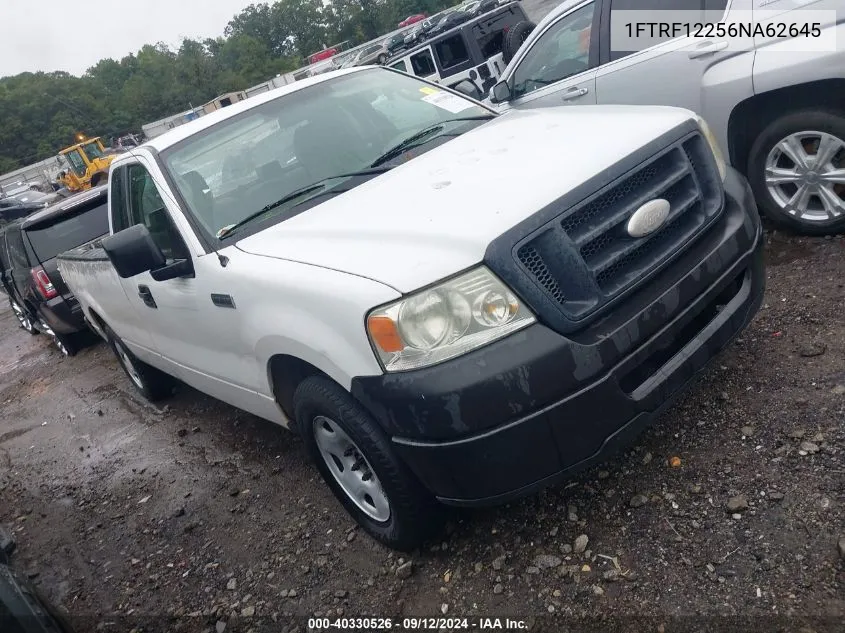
(22,317)
(127,363)
(805,175)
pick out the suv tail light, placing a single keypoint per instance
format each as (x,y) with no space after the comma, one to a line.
(43,283)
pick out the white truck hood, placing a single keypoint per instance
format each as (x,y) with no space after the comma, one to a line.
(436,214)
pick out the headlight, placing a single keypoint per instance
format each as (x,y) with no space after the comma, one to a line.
(445,321)
(714,146)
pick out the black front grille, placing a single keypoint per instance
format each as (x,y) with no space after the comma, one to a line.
(585,258)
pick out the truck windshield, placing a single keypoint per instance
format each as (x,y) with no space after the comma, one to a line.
(340,126)
(69,232)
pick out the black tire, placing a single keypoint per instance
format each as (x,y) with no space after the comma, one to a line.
(99,178)
(830,122)
(414,515)
(150,382)
(514,38)
(381,59)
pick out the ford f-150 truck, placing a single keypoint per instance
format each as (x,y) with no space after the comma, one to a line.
(450,305)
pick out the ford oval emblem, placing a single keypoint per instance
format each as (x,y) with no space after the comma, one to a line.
(648,218)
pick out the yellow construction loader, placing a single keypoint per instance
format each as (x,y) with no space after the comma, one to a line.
(84,165)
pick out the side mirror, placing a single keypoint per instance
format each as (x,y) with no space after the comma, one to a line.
(501,92)
(468,88)
(132,251)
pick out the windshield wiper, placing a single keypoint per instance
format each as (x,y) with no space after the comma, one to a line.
(415,139)
(293,195)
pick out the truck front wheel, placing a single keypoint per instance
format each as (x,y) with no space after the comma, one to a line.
(355,459)
(152,383)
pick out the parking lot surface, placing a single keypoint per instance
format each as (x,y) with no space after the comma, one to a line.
(732,505)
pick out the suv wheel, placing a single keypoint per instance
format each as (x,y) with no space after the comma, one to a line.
(65,342)
(153,383)
(797,171)
(355,459)
(24,320)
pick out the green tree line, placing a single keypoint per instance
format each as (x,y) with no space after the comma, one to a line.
(42,112)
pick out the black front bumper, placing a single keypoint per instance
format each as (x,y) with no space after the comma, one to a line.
(525,411)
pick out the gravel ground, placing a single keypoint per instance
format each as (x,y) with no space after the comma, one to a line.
(123,510)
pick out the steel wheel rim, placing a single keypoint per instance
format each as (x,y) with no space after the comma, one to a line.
(350,469)
(805,176)
(129,366)
(23,319)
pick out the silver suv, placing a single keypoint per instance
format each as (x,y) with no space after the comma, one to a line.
(778,116)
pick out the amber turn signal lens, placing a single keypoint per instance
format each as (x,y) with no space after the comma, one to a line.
(383,331)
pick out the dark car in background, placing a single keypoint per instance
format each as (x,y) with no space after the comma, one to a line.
(485,6)
(395,43)
(30,277)
(18,206)
(452,20)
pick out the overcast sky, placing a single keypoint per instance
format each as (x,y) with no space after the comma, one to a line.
(58,37)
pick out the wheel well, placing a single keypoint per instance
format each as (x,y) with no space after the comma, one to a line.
(98,177)
(97,320)
(751,116)
(286,373)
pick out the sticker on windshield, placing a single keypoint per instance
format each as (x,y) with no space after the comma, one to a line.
(447,101)
(428,90)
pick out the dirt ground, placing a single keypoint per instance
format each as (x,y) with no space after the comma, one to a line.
(196,516)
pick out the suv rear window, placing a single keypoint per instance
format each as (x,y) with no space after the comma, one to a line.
(69,232)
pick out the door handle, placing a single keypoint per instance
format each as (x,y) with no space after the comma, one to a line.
(146,296)
(574,93)
(707,48)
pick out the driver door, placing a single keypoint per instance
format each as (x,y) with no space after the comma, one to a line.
(163,308)
(560,66)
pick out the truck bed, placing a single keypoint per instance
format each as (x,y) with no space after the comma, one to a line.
(88,273)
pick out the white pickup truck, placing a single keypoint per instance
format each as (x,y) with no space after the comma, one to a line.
(449,305)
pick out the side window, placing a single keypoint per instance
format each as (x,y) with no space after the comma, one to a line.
(451,51)
(562,51)
(76,163)
(400,66)
(147,207)
(117,199)
(422,63)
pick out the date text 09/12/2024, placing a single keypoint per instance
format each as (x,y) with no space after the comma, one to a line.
(416,624)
